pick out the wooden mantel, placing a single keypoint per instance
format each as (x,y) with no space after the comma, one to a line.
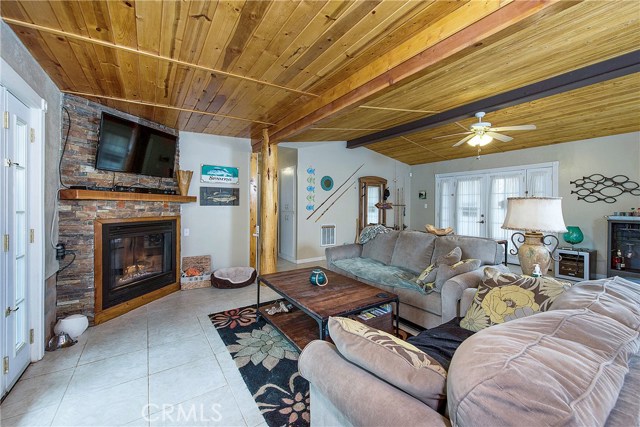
(73,194)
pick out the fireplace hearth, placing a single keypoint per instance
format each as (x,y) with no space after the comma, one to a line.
(135,259)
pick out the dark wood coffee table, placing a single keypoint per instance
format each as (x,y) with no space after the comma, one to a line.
(314,305)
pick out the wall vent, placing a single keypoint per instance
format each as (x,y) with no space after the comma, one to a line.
(328,235)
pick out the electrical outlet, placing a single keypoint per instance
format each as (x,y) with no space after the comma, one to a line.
(186,232)
(60,251)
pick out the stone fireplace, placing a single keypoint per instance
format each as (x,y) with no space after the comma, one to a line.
(80,210)
(134,258)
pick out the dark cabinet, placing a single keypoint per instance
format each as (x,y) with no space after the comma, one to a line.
(624,240)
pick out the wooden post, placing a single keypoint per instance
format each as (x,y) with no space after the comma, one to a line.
(268,206)
(253,209)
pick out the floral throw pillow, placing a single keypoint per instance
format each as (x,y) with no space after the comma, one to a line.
(502,297)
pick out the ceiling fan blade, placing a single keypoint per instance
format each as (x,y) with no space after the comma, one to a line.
(499,136)
(451,134)
(520,127)
(463,140)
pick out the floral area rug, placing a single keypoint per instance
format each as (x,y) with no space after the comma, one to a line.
(268,364)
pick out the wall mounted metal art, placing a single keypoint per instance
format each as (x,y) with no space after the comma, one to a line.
(326,183)
(311,188)
(598,188)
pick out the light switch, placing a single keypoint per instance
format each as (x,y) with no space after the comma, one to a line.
(186,232)
(426,206)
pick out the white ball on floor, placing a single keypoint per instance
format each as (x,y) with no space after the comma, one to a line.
(73,325)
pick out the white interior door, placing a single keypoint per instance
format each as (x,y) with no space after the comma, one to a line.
(15,230)
(287,217)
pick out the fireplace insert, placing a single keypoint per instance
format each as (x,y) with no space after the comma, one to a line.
(137,258)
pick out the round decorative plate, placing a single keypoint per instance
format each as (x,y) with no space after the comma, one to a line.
(326,183)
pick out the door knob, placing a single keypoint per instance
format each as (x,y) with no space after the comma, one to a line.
(481,222)
(8,311)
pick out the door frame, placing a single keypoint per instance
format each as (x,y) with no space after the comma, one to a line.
(294,222)
(439,176)
(19,88)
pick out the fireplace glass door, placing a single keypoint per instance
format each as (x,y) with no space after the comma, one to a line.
(138,258)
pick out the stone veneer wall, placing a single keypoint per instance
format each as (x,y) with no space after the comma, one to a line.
(75,287)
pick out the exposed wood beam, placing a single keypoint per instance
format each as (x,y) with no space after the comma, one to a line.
(439,42)
(156,105)
(268,206)
(606,70)
(148,54)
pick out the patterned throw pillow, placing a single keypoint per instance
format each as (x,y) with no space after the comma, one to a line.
(502,297)
(428,277)
(392,359)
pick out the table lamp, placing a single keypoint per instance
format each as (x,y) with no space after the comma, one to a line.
(534,215)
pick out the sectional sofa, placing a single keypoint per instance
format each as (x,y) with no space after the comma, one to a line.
(391,260)
(577,364)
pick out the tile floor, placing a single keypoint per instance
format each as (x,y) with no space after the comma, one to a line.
(163,364)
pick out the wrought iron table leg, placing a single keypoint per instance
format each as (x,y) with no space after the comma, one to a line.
(322,327)
(397,318)
(258,301)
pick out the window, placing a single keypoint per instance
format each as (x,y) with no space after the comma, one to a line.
(475,203)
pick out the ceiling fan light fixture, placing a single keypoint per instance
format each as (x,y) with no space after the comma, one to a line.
(480,140)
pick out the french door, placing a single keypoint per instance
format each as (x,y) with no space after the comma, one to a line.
(475,204)
(14,224)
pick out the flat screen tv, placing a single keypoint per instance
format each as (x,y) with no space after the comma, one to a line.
(126,146)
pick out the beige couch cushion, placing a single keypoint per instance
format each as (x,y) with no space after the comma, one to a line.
(392,359)
(557,368)
(381,247)
(413,250)
(446,272)
(616,298)
(486,250)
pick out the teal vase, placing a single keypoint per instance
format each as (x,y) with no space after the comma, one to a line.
(318,278)
(574,235)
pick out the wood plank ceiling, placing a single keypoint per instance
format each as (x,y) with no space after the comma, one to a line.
(300,68)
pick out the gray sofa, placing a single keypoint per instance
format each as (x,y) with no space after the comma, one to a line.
(383,261)
(577,364)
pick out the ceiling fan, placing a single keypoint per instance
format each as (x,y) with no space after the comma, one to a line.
(481,133)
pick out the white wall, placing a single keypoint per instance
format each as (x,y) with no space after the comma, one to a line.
(612,155)
(335,160)
(219,231)
(18,57)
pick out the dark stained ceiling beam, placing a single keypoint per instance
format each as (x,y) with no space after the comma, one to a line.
(619,66)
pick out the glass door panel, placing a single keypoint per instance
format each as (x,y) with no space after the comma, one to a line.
(20,232)
(470,219)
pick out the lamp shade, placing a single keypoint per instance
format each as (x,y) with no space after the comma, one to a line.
(534,214)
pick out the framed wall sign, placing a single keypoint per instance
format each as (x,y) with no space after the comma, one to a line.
(211,174)
(219,196)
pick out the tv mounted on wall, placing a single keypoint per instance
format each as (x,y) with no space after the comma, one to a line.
(126,146)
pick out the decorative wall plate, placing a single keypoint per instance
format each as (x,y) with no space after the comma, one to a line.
(326,183)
